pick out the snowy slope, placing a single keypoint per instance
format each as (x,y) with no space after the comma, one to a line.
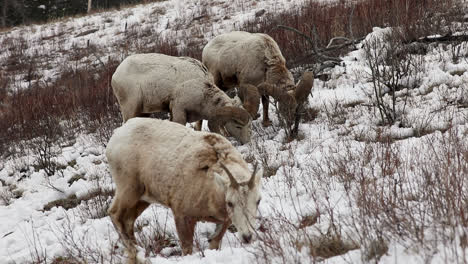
(142,25)
(303,175)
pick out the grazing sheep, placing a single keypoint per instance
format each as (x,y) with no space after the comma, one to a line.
(240,58)
(199,175)
(147,83)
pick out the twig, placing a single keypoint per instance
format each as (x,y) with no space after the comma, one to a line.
(351,25)
(441,39)
(351,42)
(310,41)
(338,38)
(325,57)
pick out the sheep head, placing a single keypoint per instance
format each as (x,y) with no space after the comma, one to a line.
(237,122)
(242,200)
(289,97)
(250,98)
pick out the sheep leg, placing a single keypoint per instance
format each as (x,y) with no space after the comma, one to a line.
(123,212)
(144,115)
(185,226)
(217,236)
(218,80)
(131,215)
(265,104)
(179,117)
(130,110)
(198,125)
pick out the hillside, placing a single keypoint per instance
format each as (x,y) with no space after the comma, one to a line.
(377,174)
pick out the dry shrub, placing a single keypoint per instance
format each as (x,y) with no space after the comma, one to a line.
(66,203)
(8,193)
(329,246)
(96,202)
(417,18)
(77,101)
(414,195)
(154,236)
(82,247)
(282,241)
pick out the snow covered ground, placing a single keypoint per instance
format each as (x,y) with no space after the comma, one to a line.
(340,182)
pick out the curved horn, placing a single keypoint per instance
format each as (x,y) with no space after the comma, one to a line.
(250,98)
(252,178)
(281,95)
(228,113)
(234,183)
(304,86)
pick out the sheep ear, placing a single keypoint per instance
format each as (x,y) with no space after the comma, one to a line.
(304,86)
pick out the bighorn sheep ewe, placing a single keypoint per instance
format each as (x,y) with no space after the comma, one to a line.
(240,58)
(199,175)
(147,83)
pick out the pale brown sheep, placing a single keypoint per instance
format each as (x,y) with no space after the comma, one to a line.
(148,83)
(199,175)
(241,58)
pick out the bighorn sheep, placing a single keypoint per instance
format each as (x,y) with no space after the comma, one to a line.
(240,58)
(199,175)
(147,83)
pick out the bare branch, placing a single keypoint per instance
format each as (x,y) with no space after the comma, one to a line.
(338,38)
(324,57)
(351,24)
(309,39)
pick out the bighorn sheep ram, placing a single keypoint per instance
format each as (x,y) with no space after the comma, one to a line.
(241,58)
(199,175)
(147,83)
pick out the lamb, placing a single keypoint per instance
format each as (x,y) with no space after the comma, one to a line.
(199,175)
(147,83)
(240,58)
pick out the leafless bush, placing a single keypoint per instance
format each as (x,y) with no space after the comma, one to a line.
(153,236)
(413,195)
(96,202)
(393,69)
(290,236)
(335,112)
(36,250)
(9,192)
(268,158)
(45,146)
(83,247)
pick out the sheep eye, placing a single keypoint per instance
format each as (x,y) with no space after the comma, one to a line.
(230,204)
(258,202)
